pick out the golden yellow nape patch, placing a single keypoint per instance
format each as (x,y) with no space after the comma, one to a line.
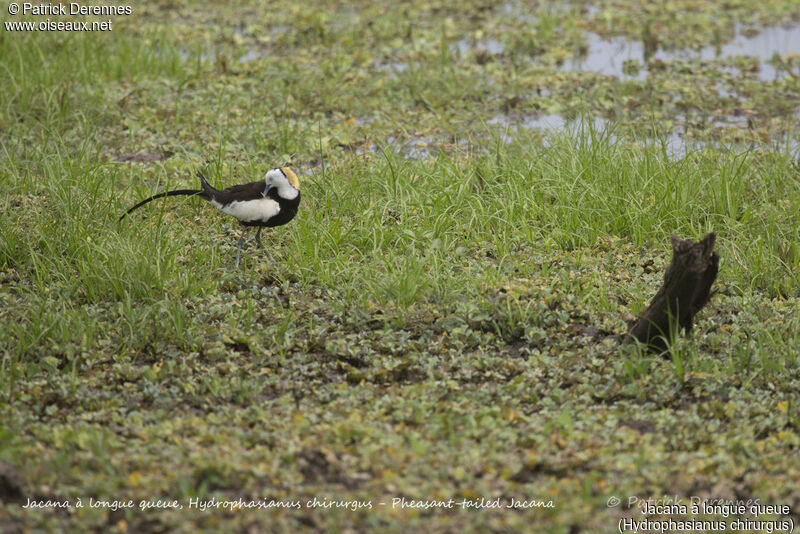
(292,177)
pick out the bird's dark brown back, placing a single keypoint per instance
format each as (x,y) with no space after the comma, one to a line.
(242,192)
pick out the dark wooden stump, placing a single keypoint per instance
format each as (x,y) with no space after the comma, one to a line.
(686,289)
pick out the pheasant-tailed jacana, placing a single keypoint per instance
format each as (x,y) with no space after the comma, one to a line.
(264,203)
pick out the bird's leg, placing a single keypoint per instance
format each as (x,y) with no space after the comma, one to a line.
(239,246)
(258,238)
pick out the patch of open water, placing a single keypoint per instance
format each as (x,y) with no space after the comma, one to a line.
(610,56)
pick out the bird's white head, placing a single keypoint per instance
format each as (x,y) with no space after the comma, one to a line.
(285,181)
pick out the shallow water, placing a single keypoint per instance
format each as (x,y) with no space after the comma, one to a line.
(546,123)
(391,68)
(492,47)
(608,56)
(675,143)
(251,55)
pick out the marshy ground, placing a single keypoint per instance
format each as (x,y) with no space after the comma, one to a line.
(488,195)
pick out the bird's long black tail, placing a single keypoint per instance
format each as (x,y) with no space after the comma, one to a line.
(177,192)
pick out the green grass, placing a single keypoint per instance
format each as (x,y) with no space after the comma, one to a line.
(423,328)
